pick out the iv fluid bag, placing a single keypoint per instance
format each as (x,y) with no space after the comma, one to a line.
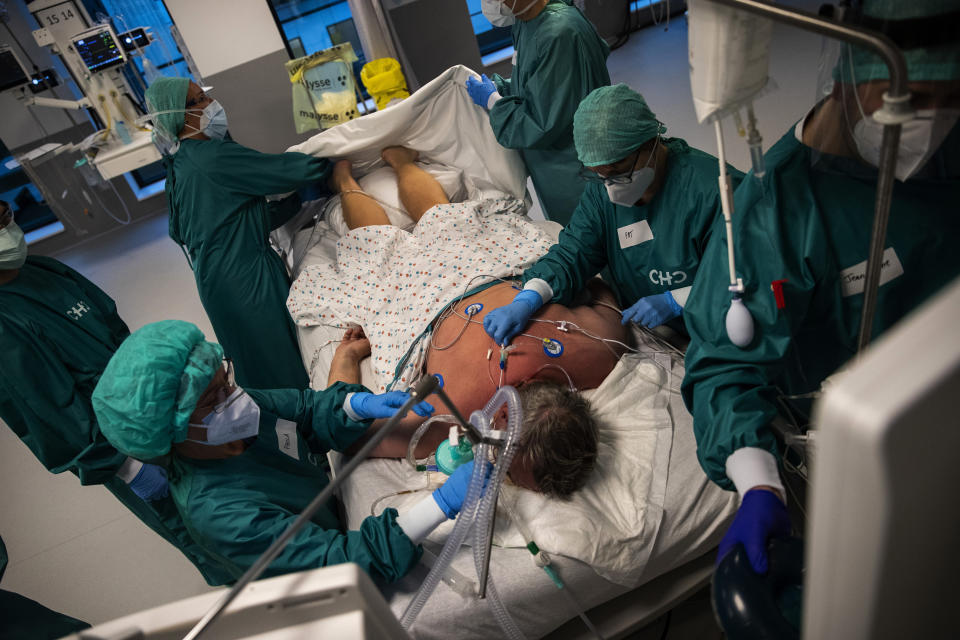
(729,57)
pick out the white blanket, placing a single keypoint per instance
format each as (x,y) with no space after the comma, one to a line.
(443,124)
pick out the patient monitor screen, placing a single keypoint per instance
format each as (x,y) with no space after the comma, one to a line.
(99,50)
(11,73)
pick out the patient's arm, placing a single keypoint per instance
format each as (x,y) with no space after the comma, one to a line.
(353,348)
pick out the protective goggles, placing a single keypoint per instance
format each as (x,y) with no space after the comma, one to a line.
(621,178)
(211,399)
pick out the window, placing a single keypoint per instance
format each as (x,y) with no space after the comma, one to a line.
(490,39)
(163,53)
(309,26)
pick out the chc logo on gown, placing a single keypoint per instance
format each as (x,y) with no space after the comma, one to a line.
(78,310)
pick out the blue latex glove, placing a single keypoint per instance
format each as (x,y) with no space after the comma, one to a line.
(383,405)
(150,483)
(653,311)
(450,496)
(504,323)
(481,90)
(762,515)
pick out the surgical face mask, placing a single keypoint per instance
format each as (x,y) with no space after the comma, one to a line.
(627,194)
(236,418)
(500,15)
(13,247)
(919,139)
(213,121)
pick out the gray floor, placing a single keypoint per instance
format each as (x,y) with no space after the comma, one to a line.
(77,550)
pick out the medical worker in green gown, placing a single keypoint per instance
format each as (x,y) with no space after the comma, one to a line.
(246,463)
(24,619)
(559,60)
(216,192)
(802,236)
(646,214)
(57,333)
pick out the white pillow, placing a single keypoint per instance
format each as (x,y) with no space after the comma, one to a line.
(381,183)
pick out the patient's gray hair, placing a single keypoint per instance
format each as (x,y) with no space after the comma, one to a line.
(559,440)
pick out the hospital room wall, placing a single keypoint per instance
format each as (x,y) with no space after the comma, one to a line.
(77,550)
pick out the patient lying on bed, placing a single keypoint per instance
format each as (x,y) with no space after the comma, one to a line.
(561,351)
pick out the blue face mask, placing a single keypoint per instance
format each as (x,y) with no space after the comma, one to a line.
(13,247)
(213,121)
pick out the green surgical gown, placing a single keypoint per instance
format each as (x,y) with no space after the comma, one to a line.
(24,619)
(649,249)
(805,229)
(215,191)
(559,60)
(58,330)
(236,507)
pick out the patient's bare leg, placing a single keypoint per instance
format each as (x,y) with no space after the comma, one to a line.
(418,189)
(359,210)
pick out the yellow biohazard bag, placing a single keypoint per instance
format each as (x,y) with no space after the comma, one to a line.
(384,81)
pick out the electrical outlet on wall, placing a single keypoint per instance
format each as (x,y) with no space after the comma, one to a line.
(43,37)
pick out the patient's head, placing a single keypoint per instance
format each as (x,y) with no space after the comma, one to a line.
(558,447)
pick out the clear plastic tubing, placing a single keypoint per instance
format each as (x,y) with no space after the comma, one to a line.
(422,429)
(488,505)
(483,420)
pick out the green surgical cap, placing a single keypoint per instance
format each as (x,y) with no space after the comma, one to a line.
(924,64)
(151,387)
(166,94)
(612,122)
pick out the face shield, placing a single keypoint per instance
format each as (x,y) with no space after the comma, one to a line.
(850,89)
(213,124)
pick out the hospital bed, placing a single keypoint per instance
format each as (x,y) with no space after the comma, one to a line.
(632,544)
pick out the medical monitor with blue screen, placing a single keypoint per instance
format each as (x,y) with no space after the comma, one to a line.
(99,50)
(12,73)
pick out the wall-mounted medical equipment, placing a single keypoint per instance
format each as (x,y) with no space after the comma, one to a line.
(97,59)
(99,49)
(12,72)
(134,40)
